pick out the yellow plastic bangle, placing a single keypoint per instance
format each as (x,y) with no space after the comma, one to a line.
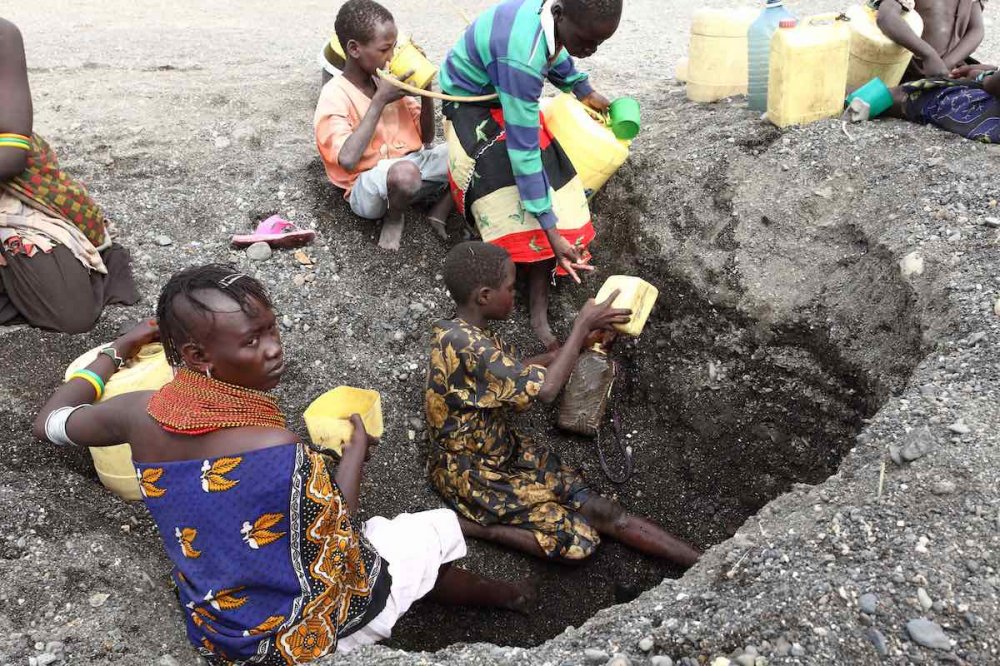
(98,389)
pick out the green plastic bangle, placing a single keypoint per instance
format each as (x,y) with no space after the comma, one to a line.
(92,378)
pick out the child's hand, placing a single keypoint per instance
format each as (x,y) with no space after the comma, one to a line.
(597,101)
(386,92)
(360,438)
(970,71)
(599,316)
(569,257)
(142,334)
(933,65)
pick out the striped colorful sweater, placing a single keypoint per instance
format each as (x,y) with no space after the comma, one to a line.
(506,51)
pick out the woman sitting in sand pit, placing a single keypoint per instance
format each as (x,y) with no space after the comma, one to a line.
(270,562)
(58,266)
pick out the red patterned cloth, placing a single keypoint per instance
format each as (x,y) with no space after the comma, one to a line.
(48,188)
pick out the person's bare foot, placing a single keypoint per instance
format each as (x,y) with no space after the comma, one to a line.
(544,332)
(527,596)
(392,234)
(439,227)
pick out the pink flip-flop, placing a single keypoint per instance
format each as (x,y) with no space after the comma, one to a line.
(276,232)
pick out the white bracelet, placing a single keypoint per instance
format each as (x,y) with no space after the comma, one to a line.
(55,425)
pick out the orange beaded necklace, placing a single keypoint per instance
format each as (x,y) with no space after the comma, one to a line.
(193,404)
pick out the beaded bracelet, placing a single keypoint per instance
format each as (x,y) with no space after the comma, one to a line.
(93,379)
(19,141)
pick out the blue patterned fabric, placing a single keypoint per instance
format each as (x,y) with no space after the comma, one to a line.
(960,107)
(269,566)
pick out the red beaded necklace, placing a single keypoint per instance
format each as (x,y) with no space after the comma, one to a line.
(193,404)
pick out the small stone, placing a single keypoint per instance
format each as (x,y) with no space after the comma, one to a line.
(992,222)
(97,599)
(760,661)
(163,241)
(746,660)
(919,443)
(959,428)
(619,660)
(418,308)
(646,644)
(824,192)
(222,142)
(911,264)
(595,656)
(259,251)
(286,321)
(299,280)
(924,599)
(944,487)
(868,603)
(55,647)
(167,660)
(927,633)
(797,650)
(782,647)
(661,660)
(46,658)
(877,640)
(975,338)
(721,661)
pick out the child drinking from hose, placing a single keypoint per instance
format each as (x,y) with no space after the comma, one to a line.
(373,139)
(509,176)
(507,488)
(270,561)
(953,30)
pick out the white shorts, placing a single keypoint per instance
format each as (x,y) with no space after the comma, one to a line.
(415,545)
(370,196)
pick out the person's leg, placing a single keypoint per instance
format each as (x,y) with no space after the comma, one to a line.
(402,184)
(458,587)
(515,538)
(611,519)
(438,215)
(539,277)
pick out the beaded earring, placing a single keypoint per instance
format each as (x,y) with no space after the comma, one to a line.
(208,372)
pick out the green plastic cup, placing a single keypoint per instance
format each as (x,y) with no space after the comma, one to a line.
(876,94)
(624,113)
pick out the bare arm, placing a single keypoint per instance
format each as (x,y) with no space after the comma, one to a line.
(428,128)
(15,98)
(352,463)
(104,424)
(890,21)
(971,40)
(352,150)
(593,316)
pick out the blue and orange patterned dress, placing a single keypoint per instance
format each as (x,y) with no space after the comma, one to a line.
(269,565)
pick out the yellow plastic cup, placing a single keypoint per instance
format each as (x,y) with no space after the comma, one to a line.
(409,58)
(328,417)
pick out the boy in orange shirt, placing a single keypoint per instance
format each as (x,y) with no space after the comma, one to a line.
(374,140)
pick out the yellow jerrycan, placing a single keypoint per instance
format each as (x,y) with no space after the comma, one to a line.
(635,294)
(589,143)
(148,371)
(717,54)
(328,417)
(872,53)
(808,75)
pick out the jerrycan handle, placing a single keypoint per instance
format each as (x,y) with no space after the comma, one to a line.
(603,118)
(827,19)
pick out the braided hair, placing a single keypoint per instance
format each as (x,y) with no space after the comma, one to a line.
(175,330)
(472,265)
(357,20)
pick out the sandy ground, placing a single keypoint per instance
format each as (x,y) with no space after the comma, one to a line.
(193,120)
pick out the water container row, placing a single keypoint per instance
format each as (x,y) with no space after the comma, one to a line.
(797,71)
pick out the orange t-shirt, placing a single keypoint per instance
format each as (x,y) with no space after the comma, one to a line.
(341,108)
